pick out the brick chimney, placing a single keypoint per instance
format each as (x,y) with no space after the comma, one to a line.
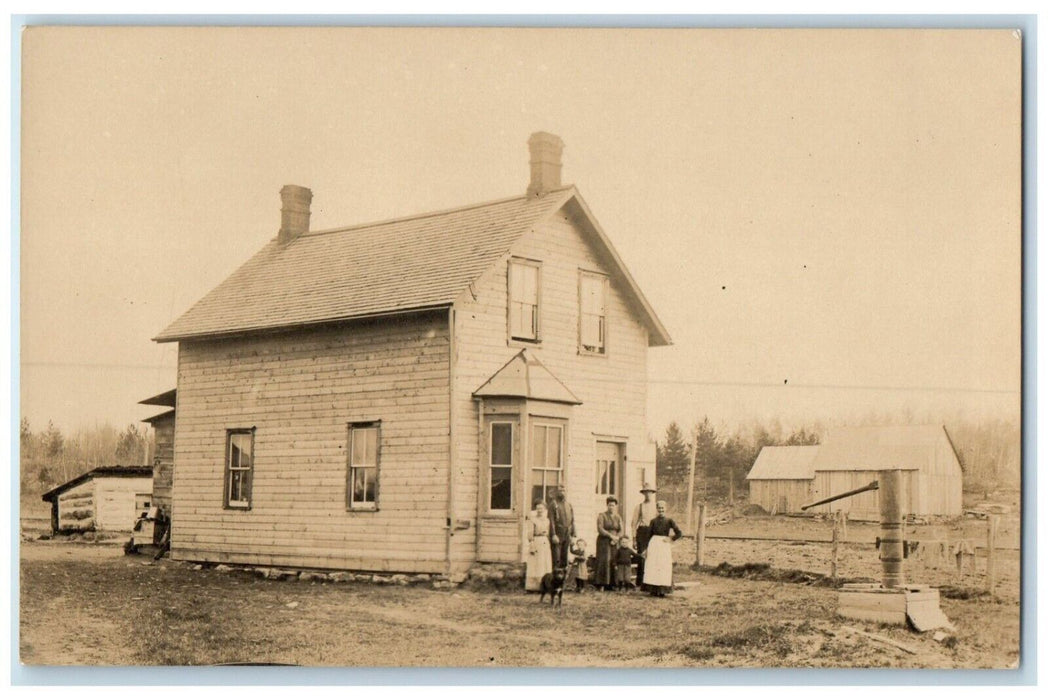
(545,163)
(294,212)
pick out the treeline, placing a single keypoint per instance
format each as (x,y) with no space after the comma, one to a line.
(722,459)
(49,457)
(989,452)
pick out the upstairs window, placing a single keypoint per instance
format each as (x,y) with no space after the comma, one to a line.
(362,486)
(593,321)
(240,450)
(524,283)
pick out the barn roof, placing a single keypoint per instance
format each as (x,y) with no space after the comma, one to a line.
(408,264)
(788,462)
(880,447)
(113,471)
(525,377)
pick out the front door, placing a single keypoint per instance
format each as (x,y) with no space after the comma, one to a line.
(609,475)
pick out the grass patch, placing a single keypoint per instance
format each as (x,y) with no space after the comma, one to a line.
(962,592)
(696,652)
(764,637)
(764,572)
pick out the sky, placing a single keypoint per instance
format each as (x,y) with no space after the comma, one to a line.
(827,221)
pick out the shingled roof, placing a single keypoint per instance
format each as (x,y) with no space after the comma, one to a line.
(408,264)
(784,462)
(404,264)
(883,447)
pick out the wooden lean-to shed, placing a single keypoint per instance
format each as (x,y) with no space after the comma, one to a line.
(851,457)
(163,425)
(105,498)
(395,396)
(780,480)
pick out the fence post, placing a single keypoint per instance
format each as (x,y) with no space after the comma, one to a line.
(836,545)
(691,481)
(991,556)
(700,533)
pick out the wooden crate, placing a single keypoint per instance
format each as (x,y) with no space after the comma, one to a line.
(870,601)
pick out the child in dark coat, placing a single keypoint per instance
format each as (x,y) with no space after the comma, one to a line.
(624,557)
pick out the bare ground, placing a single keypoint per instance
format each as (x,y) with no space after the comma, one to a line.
(89,604)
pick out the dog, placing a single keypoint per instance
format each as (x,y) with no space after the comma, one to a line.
(554,585)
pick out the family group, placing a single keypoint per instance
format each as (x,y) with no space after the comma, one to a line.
(554,548)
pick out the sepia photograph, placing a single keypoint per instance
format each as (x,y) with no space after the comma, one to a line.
(488,347)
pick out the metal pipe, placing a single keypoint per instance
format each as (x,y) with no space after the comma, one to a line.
(872,486)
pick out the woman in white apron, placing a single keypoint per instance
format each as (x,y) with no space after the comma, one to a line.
(539,561)
(658,565)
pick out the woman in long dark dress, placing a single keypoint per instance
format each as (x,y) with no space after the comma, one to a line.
(609,529)
(658,569)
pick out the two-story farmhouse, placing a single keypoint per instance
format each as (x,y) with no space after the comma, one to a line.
(395,396)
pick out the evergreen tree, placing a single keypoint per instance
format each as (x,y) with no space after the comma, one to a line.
(54,443)
(130,446)
(672,455)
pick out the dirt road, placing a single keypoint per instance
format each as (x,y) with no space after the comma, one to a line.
(89,604)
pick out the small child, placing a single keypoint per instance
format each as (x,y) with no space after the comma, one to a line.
(577,566)
(623,564)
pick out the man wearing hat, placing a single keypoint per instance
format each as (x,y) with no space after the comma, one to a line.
(643,514)
(562,527)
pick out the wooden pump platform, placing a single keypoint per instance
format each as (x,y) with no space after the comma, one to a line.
(891,601)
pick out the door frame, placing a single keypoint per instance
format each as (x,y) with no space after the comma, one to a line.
(620,473)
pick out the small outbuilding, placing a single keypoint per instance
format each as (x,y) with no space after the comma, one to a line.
(784,478)
(781,478)
(105,498)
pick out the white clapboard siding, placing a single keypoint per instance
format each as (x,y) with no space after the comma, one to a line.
(299,390)
(115,501)
(612,388)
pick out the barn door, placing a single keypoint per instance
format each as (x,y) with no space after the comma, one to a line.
(608,475)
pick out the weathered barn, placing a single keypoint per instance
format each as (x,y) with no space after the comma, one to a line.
(852,457)
(395,396)
(784,478)
(781,478)
(105,498)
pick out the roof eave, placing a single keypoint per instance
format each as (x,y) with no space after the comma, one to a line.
(519,397)
(223,334)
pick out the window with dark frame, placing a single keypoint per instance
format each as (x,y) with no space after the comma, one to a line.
(524,299)
(500,451)
(546,460)
(363,455)
(240,450)
(592,312)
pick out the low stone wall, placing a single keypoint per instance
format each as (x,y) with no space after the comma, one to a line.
(502,575)
(506,574)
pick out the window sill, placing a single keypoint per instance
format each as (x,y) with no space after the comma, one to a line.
(524,343)
(592,353)
(362,509)
(500,515)
(237,506)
